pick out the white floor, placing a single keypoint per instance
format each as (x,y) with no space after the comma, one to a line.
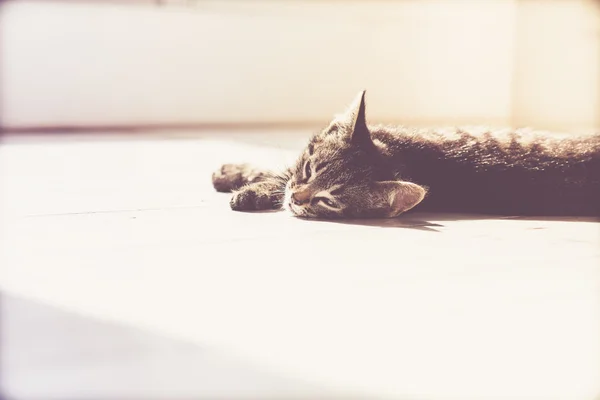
(124,275)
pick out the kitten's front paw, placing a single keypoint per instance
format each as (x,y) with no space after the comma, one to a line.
(233,176)
(250,199)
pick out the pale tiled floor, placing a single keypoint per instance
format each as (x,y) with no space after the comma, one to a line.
(124,275)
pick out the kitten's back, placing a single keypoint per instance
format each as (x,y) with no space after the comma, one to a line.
(521,172)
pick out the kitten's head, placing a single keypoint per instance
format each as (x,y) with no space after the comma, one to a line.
(342,173)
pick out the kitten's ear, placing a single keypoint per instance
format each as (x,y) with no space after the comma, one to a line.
(356,111)
(358,122)
(355,121)
(399,196)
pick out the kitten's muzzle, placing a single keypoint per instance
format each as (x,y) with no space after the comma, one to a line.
(300,197)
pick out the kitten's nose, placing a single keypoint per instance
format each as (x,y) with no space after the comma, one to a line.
(300,197)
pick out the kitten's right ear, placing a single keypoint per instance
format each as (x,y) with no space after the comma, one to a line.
(398,196)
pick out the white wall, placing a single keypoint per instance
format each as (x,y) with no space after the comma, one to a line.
(557,73)
(265,61)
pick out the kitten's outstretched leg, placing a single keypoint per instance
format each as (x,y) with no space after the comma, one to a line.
(233,176)
(254,189)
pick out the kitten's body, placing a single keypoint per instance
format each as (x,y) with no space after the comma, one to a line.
(498,172)
(354,170)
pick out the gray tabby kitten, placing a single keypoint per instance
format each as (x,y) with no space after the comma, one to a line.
(351,170)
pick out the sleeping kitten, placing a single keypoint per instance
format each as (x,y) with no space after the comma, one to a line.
(353,170)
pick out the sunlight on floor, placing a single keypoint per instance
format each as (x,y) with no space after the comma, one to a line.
(426,306)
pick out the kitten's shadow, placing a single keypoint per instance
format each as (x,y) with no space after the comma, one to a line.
(399,222)
(472,217)
(405,221)
(422,220)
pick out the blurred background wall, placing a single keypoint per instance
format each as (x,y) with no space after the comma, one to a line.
(424,62)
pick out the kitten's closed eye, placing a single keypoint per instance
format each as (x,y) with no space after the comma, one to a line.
(307,171)
(325,200)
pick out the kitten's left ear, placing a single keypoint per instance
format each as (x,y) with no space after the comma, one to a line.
(399,196)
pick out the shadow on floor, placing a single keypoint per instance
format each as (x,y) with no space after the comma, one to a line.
(474,217)
(49,353)
(405,223)
(422,220)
